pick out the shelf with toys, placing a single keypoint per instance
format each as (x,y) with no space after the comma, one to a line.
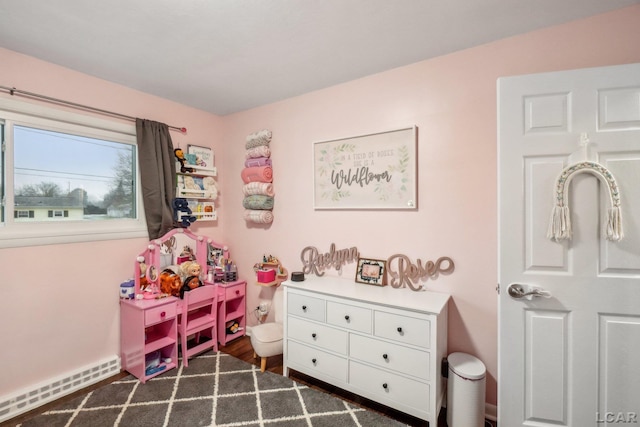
(201,210)
(270,272)
(197,187)
(196,191)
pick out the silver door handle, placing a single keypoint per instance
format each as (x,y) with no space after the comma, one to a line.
(519,291)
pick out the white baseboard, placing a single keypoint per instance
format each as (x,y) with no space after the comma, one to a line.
(35,396)
(491,412)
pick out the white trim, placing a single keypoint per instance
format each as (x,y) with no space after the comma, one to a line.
(491,412)
(15,234)
(8,105)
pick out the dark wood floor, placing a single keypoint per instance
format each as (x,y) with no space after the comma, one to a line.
(241,348)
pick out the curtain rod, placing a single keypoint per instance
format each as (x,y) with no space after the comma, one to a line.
(13,91)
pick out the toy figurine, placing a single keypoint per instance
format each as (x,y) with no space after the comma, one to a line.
(180,156)
(144,283)
(232,327)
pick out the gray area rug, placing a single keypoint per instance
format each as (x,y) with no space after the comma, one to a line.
(215,390)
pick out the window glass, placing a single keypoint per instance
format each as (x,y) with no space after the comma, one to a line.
(69,177)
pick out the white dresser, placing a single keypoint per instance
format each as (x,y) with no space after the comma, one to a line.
(382,343)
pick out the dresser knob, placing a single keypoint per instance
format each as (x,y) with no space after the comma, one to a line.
(346,317)
(304,308)
(313,361)
(399,330)
(385,386)
(237,292)
(163,314)
(313,335)
(385,356)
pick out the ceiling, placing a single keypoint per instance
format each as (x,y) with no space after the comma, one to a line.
(225,56)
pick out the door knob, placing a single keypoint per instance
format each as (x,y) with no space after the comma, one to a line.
(518,291)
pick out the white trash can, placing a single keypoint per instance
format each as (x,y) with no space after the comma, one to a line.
(465,391)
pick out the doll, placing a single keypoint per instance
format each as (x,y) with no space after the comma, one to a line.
(170,282)
(144,283)
(190,283)
(190,268)
(191,271)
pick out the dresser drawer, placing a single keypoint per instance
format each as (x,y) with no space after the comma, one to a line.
(390,356)
(305,306)
(404,329)
(313,361)
(159,314)
(349,316)
(317,334)
(381,385)
(235,291)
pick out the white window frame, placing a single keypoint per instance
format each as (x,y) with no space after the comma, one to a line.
(19,234)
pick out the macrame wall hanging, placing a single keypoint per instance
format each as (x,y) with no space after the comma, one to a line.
(560,225)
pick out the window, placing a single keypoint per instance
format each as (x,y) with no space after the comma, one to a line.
(23,214)
(66,177)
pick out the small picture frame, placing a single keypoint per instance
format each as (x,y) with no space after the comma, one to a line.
(371,271)
(203,156)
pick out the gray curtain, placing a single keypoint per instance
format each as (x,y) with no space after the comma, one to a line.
(157,173)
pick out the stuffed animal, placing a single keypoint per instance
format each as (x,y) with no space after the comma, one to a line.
(180,156)
(182,205)
(190,283)
(210,187)
(170,282)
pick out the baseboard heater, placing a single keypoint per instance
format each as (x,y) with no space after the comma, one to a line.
(34,396)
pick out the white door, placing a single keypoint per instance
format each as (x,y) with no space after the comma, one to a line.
(570,355)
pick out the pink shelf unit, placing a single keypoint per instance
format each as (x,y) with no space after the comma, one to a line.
(231,307)
(146,327)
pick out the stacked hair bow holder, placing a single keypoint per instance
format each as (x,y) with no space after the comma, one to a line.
(257,176)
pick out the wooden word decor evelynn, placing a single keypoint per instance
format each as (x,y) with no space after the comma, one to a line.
(315,262)
(403,272)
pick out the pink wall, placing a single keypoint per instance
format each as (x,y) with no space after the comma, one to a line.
(452,100)
(67,316)
(60,303)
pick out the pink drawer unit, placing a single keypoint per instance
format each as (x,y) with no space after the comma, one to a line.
(159,314)
(235,291)
(231,310)
(146,328)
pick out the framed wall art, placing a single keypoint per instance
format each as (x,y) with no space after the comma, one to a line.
(371,271)
(375,171)
(203,155)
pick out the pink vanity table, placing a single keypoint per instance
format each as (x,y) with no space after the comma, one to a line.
(148,327)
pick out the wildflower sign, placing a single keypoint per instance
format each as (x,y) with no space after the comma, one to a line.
(376,171)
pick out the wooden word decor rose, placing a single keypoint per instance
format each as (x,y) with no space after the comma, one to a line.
(403,272)
(315,263)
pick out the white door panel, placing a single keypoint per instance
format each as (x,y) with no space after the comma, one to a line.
(571,359)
